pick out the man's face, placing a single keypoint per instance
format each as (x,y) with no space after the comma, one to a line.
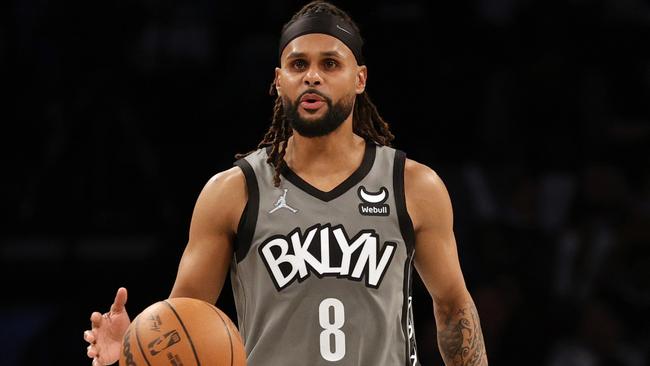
(318,81)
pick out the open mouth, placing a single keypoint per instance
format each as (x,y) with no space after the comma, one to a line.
(311,101)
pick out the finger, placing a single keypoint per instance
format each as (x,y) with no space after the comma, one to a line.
(89,336)
(91,351)
(96,319)
(120,300)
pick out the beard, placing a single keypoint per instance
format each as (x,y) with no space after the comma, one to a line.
(331,120)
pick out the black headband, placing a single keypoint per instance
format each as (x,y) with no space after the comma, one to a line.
(328,24)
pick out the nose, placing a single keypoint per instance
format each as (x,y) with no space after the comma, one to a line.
(312,77)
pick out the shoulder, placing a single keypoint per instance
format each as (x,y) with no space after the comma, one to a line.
(232,179)
(224,197)
(426,195)
(419,178)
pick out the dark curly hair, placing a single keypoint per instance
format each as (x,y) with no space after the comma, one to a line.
(366,121)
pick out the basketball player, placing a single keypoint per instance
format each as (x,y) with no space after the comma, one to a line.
(321,226)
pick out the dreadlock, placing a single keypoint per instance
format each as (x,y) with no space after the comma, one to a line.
(366,121)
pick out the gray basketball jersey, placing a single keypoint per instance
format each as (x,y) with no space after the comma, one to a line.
(324,278)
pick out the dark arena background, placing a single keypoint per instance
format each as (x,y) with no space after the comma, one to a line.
(536,114)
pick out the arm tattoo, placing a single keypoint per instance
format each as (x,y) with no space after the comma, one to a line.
(460,337)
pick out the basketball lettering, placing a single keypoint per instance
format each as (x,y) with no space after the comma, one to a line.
(126,351)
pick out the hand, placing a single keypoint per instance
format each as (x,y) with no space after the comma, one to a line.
(105,337)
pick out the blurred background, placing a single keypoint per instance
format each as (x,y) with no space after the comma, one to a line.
(536,114)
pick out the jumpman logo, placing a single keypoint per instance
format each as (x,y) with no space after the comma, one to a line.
(282,203)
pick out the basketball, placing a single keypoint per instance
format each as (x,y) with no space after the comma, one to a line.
(182,331)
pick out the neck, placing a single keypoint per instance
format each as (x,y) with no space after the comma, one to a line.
(338,150)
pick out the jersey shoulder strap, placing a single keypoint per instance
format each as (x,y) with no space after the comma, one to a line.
(252,165)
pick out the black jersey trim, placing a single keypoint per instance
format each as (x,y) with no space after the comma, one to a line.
(408,234)
(405,223)
(248,219)
(356,177)
(407,312)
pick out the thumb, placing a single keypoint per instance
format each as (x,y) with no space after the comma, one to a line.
(120,300)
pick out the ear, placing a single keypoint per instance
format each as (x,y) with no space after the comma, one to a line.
(362,76)
(277,81)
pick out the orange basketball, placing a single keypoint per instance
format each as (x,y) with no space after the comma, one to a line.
(182,331)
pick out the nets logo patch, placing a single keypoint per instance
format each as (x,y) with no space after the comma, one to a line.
(372,203)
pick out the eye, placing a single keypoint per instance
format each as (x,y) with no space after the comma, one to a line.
(330,64)
(299,64)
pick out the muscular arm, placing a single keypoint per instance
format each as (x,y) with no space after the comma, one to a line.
(460,338)
(207,256)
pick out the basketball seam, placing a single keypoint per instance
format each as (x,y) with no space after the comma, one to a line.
(137,338)
(198,362)
(227,331)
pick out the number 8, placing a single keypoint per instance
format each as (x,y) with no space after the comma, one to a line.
(331,329)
